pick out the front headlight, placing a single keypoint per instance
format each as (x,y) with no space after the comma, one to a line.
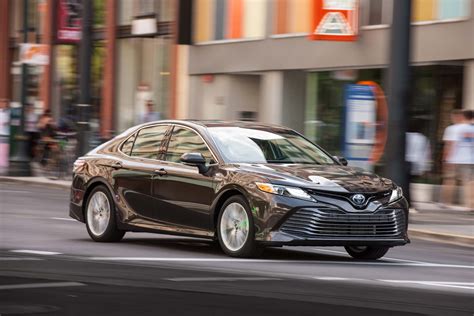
(284,190)
(396,194)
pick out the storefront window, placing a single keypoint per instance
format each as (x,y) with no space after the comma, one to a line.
(143,74)
(436,91)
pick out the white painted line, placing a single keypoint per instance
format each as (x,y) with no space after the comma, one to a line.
(220,279)
(36,252)
(459,285)
(63,219)
(13,191)
(19,259)
(39,285)
(336,279)
(179,259)
(367,263)
(347,255)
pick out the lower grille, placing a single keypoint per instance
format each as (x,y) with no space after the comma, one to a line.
(328,222)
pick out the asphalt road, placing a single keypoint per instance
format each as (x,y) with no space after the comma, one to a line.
(49,265)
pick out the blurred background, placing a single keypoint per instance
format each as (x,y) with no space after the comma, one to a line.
(86,70)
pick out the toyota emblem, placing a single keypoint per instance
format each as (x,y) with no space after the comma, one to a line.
(358,199)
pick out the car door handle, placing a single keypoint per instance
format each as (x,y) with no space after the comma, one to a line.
(117,165)
(161,172)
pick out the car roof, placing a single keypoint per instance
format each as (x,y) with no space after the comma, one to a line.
(221,123)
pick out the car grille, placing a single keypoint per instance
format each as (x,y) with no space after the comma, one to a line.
(333,223)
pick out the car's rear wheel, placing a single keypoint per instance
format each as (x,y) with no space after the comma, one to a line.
(235,229)
(100,216)
(366,252)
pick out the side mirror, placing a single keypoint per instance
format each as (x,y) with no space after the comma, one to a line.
(195,159)
(341,160)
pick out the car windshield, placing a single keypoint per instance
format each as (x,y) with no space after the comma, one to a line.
(246,145)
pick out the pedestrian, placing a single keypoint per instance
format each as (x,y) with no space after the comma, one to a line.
(4,132)
(150,115)
(418,155)
(47,130)
(458,158)
(31,129)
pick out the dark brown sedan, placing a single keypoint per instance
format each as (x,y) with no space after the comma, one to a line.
(247,185)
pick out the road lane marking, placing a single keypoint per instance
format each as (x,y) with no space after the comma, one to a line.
(39,285)
(64,219)
(220,279)
(177,259)
(19,259)
(384,258)
(336,279)
(36,252)
(367,263)
(459,285)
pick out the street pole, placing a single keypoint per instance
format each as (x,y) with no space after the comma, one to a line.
(85,54)
(19,165)
(397,168)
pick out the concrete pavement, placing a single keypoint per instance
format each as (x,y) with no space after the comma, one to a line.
(433,221)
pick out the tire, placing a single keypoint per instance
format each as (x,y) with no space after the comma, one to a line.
(100,216)
(244,247)
(366,252)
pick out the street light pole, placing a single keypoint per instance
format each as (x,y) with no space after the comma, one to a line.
(19,164)
(85,54)
(397,168)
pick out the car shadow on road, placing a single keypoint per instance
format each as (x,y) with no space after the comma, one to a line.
(206,247)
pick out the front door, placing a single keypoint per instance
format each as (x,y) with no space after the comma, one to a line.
(183,195)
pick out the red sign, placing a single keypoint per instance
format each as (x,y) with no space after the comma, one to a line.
(335,20)
(69,21)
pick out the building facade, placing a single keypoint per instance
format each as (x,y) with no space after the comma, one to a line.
(252,59)
(131,58)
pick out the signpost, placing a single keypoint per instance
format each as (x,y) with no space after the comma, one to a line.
(335,20)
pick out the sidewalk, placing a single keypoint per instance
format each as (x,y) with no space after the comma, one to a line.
(432,221)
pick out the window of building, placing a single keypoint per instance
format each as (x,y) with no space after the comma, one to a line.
(376,12)
(184,140)
(229,19)
(293,16)
(432,10)
(148,142)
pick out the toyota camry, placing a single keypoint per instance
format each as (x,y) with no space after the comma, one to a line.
(246,185)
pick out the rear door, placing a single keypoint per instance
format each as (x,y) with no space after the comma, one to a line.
(134,176)
(183,195)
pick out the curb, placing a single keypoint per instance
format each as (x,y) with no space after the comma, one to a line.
(62,184)
(460,240)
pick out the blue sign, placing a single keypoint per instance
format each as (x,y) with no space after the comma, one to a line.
(360,124)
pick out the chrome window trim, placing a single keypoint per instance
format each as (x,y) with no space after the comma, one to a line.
(214,156)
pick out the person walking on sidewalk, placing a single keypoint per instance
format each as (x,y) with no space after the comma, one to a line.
(458,158)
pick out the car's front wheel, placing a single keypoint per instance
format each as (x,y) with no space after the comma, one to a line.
(366,252)
(100,216)
(235,230)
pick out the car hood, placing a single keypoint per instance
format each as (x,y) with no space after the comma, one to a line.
(334,178)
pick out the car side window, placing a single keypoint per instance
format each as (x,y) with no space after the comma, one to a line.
(148,142)
(127,145)
(184,140)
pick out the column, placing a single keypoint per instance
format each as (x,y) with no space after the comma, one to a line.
(108,91)
(47,39)
(468,89)
(271,97)
(4,50)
